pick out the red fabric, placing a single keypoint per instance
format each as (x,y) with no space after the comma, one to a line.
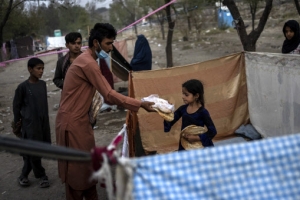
(106,73)
(97,156)
(97,152)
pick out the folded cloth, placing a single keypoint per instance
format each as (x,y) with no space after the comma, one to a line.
(248,131)
(161,104)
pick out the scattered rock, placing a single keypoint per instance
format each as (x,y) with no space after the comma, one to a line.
(56,90)
(55,107)
(49,93)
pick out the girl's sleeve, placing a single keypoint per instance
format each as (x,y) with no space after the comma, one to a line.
(211,129)
(17,104)
(177,116)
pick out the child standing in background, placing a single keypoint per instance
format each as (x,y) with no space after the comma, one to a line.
(291,31)
(74,44)
(193,112)
(30,108)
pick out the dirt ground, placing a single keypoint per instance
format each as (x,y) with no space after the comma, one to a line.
(213,44)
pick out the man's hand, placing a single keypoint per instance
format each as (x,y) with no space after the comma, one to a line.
(148,106)
(17,128)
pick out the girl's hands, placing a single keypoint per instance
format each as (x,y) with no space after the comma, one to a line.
(192,138)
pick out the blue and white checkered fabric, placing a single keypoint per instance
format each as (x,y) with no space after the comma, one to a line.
(265,169)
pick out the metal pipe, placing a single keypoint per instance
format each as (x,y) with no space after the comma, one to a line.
(41,149)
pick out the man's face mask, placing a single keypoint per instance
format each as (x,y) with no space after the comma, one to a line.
(102,54)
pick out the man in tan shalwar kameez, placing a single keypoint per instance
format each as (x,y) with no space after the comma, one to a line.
(73,128)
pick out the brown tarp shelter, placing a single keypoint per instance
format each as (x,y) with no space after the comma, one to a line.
(120,67)
(225,92)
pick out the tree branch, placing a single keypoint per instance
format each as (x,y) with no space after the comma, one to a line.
(263,20)
(297,6)
(122,3)
(9,9)
(17,4)
(239,22)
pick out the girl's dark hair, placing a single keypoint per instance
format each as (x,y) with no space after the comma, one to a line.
(294,25)
(101,31)
(292,44)
(32,62)
(195,87)
(72,37)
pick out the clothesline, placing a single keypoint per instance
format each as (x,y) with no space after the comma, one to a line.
(35,148)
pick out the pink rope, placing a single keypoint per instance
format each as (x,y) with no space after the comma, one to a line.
(151,13)
(2,64)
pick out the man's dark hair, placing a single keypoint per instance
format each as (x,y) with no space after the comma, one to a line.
(32,62)
(101,31)
(72,37)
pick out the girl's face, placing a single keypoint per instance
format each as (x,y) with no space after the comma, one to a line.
(36,71)
(188,97)
(289,33)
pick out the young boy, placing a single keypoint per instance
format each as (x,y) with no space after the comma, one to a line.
(73,43)
(30,107)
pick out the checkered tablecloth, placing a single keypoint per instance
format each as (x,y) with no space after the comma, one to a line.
(265,169)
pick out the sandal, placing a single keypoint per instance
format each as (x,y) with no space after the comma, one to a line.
(23,181)
(44,183)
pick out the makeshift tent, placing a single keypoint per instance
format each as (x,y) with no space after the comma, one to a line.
(24,46)
(267,94)
(121,46)
(119,65)
(55,42)
(273,93)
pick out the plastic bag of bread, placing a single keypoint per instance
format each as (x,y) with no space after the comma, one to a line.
(162,106)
